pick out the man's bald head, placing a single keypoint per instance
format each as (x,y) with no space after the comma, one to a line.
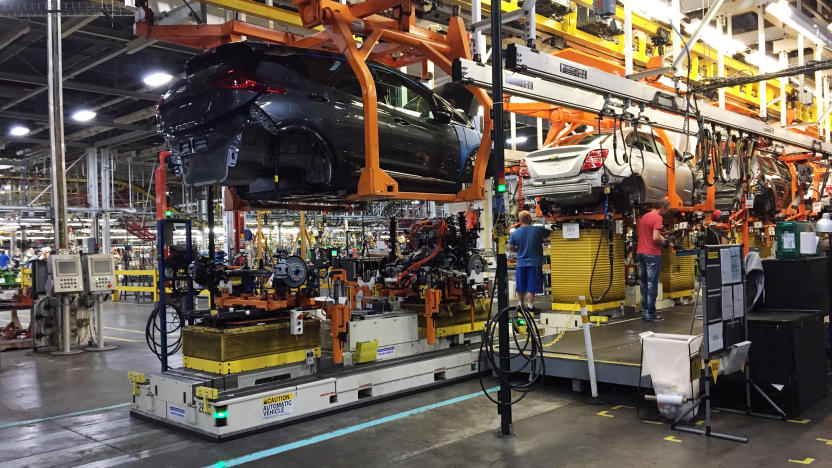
(525,217)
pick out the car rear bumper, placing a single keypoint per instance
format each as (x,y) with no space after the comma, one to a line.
(213,155)
(574,190)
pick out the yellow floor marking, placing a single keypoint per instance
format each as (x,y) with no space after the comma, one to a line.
(620,406)
(673,439)
(807,461)
(118,339)
(798,421)
(605,414)
(700,422)
(826,441)
(652,422)
(125,330)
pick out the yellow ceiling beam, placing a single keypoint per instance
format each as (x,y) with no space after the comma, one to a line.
(259,10)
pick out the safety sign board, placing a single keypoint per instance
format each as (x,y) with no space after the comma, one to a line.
(278,405)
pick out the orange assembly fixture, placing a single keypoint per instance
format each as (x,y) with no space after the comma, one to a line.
(379,30)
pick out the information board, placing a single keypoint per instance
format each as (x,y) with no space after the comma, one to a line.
(724,302)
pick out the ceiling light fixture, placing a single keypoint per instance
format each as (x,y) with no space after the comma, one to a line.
(18,130)
(517,140)
(83,115)
(156,79)
(799,22)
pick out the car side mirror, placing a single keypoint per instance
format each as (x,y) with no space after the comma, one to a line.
(442,116)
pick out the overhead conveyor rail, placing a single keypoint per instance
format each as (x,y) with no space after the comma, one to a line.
(547,78)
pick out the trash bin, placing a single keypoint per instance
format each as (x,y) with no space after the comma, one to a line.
(673,364)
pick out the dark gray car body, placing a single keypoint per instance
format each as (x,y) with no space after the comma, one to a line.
(299,133)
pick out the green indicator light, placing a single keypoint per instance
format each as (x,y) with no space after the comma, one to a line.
(168,213)
(501,188)
(334,252)
(220,414)
(520,322)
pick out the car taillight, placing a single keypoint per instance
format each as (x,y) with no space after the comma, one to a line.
(524,169)
(594,159)
(241,81)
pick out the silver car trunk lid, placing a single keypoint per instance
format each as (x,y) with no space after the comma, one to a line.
(558,162)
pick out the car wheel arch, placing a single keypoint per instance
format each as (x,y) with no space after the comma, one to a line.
(307,129)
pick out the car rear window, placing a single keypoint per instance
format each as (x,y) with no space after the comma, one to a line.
(328,71)
(587,138)
(240,56)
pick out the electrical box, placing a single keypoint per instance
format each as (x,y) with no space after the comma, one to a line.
(67,276)
(806,97)
(788,238)
(296,322)
(99,273)
(603,8)
(87,245)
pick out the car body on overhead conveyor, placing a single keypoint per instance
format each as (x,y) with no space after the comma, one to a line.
(284,123)
(569,176)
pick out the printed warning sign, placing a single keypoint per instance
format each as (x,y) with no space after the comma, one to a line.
(278,406)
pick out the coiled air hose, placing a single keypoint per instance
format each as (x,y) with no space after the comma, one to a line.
(173,324)
(528,354)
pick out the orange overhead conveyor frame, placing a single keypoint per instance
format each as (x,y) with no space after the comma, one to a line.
(392,39)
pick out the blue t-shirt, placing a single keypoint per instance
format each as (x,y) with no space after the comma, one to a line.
(529,242)
(4,260)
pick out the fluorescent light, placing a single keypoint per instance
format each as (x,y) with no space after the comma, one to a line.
(520,139)
(766,63)
(83,115)
(803,25)
(18,130)
(658,9)
(716,39)
(156,79)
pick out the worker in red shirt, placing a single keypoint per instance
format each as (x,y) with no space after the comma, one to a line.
(650,243)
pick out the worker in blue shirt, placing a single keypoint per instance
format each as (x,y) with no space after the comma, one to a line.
(4,259)
(527,241)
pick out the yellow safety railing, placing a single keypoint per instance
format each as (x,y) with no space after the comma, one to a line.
(151,289)
(125,288)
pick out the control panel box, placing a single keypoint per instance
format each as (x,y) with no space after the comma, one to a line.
(99,273)
(67,276)
(296,322)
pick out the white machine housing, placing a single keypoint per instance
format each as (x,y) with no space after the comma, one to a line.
(67,275)
(99,273)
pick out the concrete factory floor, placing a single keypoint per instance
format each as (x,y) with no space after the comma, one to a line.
(73,411)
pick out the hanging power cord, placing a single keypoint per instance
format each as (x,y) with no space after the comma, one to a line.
(153,330)
(608,229)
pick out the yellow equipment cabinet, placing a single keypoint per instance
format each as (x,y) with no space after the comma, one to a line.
(571,263)
(225,351)
(677,273)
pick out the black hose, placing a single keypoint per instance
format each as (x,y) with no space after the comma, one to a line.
(153,330)
(595,263)
(529,353)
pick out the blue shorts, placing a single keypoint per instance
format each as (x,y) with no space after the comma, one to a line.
(529,279)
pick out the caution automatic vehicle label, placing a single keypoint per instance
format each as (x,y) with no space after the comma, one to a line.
(278,405)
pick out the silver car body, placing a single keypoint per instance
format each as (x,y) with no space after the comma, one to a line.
(555,173)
